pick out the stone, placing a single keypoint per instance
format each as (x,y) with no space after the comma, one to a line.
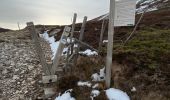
(30,67)
(15,77)
(5,71)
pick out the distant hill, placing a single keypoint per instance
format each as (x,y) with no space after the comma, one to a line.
(4,30)
(150,5)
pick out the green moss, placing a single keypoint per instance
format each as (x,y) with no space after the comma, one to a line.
(148,48)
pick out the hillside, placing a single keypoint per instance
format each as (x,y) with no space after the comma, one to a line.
(144,60)
(143,63)
(140,68)
(3,30)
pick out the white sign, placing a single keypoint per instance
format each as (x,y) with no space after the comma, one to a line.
(125,13)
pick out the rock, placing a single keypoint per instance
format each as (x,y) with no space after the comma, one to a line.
(19,67)
(30,67)
(16,70)
(15,77)
(133,89)
(5,71)
(18,83)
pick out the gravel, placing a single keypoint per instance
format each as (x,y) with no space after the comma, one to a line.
(20,70)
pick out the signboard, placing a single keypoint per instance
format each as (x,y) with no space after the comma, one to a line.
(125,13)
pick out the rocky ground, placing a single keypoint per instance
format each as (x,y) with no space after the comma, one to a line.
(20,70)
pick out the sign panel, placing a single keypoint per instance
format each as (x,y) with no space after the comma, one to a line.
(125,13)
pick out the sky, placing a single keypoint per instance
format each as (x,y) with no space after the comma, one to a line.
(48,12)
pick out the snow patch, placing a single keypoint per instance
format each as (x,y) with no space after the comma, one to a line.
(95,77)
(116,94)
(53,44)
(95,93)
(89,52)
(95,85)
(88,84)
(100,76)
(133,89)
(105,41)
(65,96)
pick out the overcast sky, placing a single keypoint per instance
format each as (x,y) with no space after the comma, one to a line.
(53,12)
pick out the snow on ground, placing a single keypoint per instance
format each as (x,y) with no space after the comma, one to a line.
(95,77)
(65,96)
(88,52)
(133,89)
(116,94)
(53,44)
(88,84)
(95,93)
(105,41)
(100,76)
(95,86)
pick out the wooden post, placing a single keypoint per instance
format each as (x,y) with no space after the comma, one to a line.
(85,44)
(72,30)
(110,43)
(82,32)
(83,28)
(18,26)
(80,39)
(101,35)
(58,54)
(38,48)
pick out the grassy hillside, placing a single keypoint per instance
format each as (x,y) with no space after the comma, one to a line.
(148,48)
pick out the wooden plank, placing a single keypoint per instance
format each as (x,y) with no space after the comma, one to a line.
(38,48)
(85,44)
(110,43)
(60,49)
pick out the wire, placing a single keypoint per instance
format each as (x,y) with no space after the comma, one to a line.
(137,24)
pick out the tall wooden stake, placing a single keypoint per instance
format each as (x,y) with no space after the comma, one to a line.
(80,38)
(101,35)
(58,54)
(110,43)
(18,26)
(82,29)
(38,48)
(72,30)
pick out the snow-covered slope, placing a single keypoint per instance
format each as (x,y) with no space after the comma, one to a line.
(151,5)
(141,5)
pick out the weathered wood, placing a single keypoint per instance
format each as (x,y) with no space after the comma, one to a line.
(80,38)
(101,35)
(72,30)
(49,92)
(70,47)
(83,28)
(38,48)
(110,43)
(49,79)
(85,44)
(82,32)
(61,45)
(18,26)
